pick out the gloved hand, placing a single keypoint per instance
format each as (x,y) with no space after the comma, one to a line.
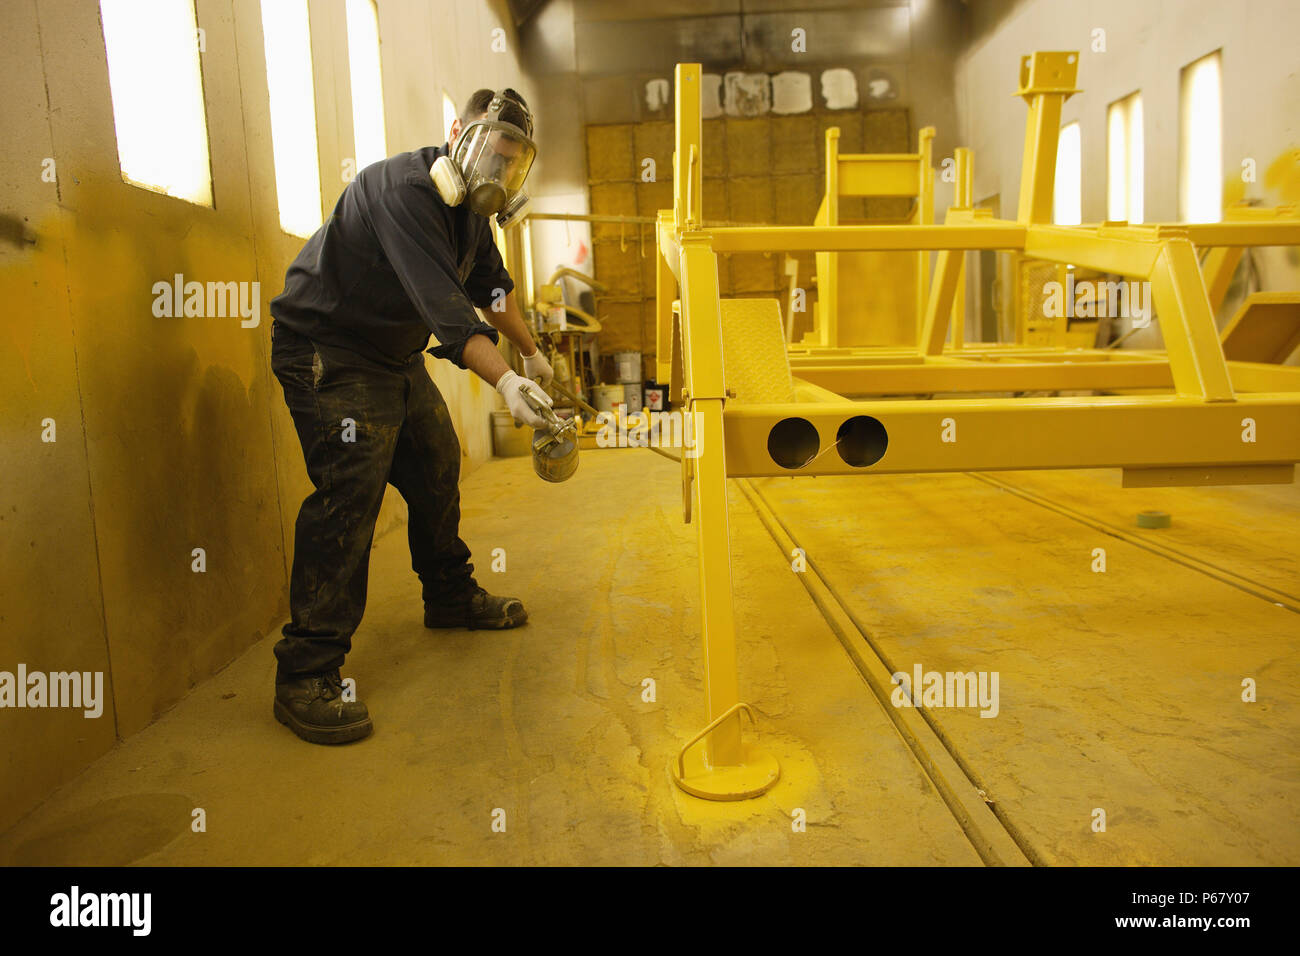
(538,369)
(511,386)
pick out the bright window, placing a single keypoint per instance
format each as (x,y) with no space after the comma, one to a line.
(1067,193)
(154,78)
(1200,147)
(1124,159)
(367,83)
(449,114)
(287,39)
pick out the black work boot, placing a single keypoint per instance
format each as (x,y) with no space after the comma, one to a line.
(480,611)
(312,706)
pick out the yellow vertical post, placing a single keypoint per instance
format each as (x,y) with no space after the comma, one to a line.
(828,262)
(665,292)
(687,158)
(964,187)
(934,324)
(924,217)
(1046,82)
(957,325)
(963,198)
(1059,336)
(716,763)
(702,329)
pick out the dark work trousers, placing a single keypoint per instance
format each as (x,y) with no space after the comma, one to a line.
(362,426)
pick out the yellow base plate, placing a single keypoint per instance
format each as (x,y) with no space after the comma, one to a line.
(755,775)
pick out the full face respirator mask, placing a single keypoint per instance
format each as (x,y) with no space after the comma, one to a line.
(487,165)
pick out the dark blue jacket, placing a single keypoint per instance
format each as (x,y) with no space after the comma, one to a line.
(392,264)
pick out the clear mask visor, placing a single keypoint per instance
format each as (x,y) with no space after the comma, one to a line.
(495,152)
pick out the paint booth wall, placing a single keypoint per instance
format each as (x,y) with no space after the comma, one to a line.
(170,434)
(1146,46)
(607,56)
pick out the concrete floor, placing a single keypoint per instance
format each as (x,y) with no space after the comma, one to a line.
(1119,690)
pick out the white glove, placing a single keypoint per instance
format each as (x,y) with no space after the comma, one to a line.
(512,386)
(538,369)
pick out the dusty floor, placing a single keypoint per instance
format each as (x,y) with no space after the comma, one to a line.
(1119,691)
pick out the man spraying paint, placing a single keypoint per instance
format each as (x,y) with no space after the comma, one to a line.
(407,251)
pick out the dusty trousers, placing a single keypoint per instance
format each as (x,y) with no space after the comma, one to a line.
(362,426)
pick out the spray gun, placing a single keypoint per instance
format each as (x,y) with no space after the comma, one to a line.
(555,447)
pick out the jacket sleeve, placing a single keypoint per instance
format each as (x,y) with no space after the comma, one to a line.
(488,281)
(410,229)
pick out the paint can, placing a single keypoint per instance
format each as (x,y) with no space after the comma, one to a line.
(606,397)
(508,439)
(627,367)
(655,397)
(632,398)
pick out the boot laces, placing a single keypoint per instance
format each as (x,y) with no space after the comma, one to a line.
(331,685)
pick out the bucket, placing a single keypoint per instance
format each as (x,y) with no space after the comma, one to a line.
(509,441)
(605,397)
(627,367)
(632,397)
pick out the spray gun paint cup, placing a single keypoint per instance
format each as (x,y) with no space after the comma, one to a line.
(555,447)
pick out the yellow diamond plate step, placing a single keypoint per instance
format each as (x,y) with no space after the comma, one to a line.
(755,364)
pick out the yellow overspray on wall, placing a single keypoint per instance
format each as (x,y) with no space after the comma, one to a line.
(1281,181)
(52,617)
(1283,176)
(171,432)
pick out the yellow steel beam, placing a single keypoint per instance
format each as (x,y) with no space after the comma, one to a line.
(687,194)
(983,352)
(701,320)
(924,379)
(964,185)
(963,199)
(702,342)
(924,217)
(1219,266)
(992,434)
(857,358)
(1092,248)
(1262,377)
(526,244)
(948,290)
(1187,323)
(985,235)
(957,323)
(668,244)
(1265,328)
(1215,234)
(1046,81)
(828,263)
(725,768)
(729,769)
(1055,243)
(825,275)
(938,309)
(879,174)
(665,293)
(807,391)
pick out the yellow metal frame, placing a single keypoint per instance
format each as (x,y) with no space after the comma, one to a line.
(874,175)
(1201,419)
